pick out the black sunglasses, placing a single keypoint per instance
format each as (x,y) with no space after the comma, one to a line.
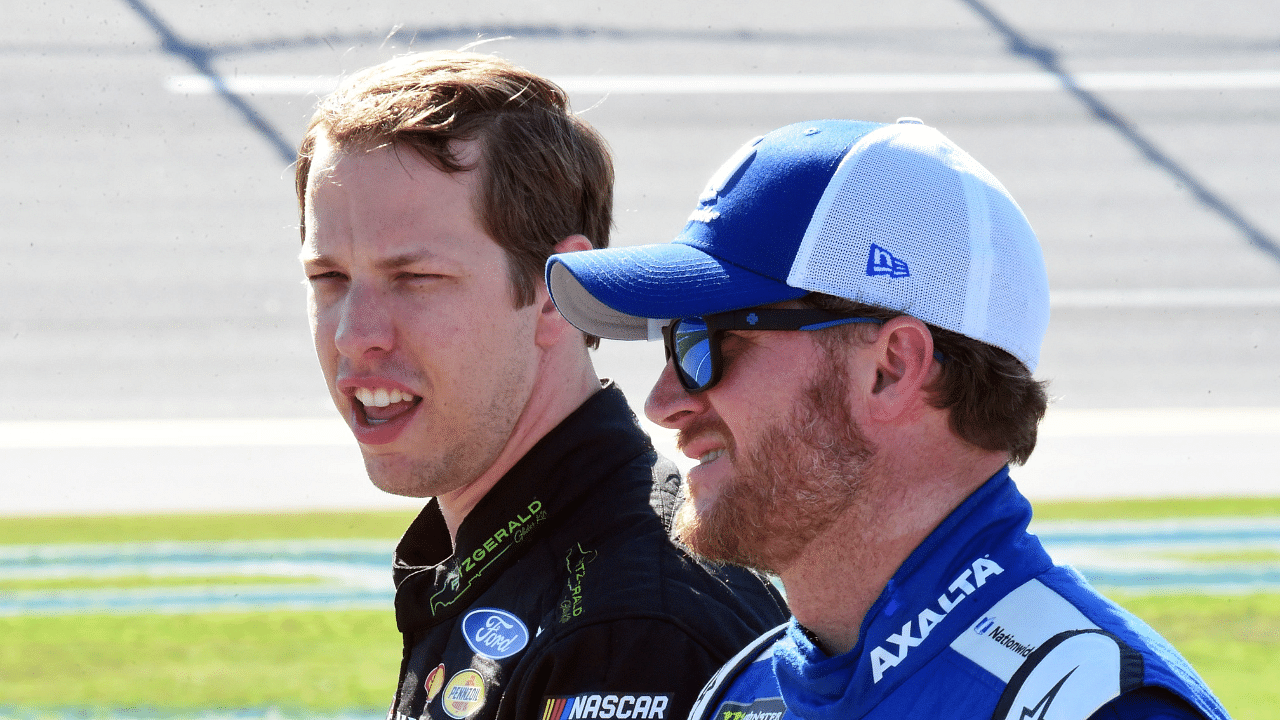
(694,342)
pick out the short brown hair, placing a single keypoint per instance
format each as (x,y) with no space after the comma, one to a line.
(544,173)
(993,400)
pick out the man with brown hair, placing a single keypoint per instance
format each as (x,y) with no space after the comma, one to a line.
(852,315)
(540,580)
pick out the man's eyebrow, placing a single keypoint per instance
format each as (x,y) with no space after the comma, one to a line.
(312,259)
(405,259)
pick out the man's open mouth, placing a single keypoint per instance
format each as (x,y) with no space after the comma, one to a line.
(375,406)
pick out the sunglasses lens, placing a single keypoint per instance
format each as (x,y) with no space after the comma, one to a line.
(693,352)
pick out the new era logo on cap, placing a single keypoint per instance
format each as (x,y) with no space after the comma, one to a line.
(882,262)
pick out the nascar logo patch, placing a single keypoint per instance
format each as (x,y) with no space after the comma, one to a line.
(607,706)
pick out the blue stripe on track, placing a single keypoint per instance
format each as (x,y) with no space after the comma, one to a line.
(1147,556)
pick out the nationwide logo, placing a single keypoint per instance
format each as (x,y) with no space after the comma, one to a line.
(463,695)
(494,633)
(909,637)
(882,262)
(987,627)
(759,709)
(607,706)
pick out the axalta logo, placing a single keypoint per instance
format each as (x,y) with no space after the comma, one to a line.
(957,591)
(494,633)
(604,706)
(760,709)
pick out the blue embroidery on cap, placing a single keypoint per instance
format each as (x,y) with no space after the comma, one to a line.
(882,262)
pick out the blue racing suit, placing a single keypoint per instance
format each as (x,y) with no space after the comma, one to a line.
(977,623)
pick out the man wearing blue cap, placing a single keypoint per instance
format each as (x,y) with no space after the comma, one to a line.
(853,314)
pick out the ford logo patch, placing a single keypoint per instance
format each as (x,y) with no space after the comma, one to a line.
(494,633)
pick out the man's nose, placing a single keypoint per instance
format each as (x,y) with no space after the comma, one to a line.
(365,325)
(669,404)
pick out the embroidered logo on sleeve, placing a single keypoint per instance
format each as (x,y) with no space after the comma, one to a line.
(607,706)
(576,561)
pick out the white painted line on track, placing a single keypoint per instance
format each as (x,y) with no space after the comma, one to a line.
(791,84)
(1165,298)
(249,432)
(1161,422)
(325,432)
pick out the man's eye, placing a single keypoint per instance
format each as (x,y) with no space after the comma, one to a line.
(731,344)
(330,275)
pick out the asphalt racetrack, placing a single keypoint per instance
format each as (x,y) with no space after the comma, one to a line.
(153,338)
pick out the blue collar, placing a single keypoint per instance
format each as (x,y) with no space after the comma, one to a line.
(980,552)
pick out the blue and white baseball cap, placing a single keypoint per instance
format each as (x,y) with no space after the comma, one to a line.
(891,215)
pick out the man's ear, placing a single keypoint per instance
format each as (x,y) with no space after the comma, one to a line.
(573,243)
(904,365)
(551,324)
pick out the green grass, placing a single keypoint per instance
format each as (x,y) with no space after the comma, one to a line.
(133,582)
(390,524)
(1239,556)
(336,661)
(1232,641)
(320,661)
(1159,508)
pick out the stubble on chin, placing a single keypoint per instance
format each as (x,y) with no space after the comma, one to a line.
(802,474)
(423,477)
(400,476)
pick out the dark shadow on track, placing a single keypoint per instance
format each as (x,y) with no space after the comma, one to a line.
(200,59)
(1048,60)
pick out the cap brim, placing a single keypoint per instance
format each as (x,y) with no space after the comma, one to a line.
(617,292)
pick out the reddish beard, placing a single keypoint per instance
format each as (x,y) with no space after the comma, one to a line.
(790,486)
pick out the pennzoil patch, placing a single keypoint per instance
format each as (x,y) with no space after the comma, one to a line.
(463,695)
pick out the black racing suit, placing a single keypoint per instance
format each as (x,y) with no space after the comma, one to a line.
(566,597)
